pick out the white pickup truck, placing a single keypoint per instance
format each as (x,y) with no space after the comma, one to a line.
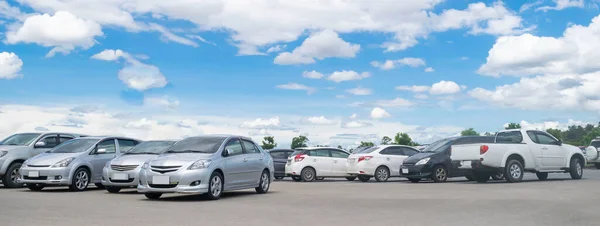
(593,152)
(515,152)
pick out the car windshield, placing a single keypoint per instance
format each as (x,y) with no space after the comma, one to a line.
(439,146)
(366,150)
(150,147)
(74,146)
(197,145)
(23,139)
(595,144)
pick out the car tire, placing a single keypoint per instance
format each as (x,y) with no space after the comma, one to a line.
(308,174)
(10,178)
(278,178)
(80,180)
(350,178)
(481,177)
(153,196)
(513,171)
(215,186)
(439,174)
(265,183)
(382,174)
(576,168)
(470,178)
(414,180)
(498,176)
(35,187)
(112,189)
(297,178)
(364,178)
(542,176)
(99,185)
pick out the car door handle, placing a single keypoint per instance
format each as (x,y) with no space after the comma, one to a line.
(260,159)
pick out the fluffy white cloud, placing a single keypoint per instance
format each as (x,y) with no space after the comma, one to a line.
(276,48)
(378,113)
(429,69)
(109,55)
(167,36)
(530,5)
(562,4)
(320,45)
(161,102)
(10,65)
(312,74)
(353,116)
(391,64)
(359,91)
(397,102)
(63,31)
(444,87)
(356,124)
(415,88)
(551,124)
(320,120)
(296,86)
(344,75)
(141,76)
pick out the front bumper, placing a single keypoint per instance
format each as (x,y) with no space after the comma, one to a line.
(179,181)
(108,177)
(416,171)
(47,175)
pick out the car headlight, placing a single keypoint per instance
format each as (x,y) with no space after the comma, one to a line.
(64,162)
(200,164)
(423,161)
(3,153)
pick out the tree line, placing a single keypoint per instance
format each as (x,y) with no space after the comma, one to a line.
(301,141)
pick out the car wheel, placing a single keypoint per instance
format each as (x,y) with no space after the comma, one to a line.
(470,178)
(297,178)
(350,178)
(513,172)
(481,177)
(35,187)
(542,176)
(278,178)
(112,189)
(12,174)
(308,174)
(576,168)
(440,174)
(498,176)
(99,185)
(265,183)
(382,174)
(215,186)
(80,181)
(414,180)
(364,178)
(153,196)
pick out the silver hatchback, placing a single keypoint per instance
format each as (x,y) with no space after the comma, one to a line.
(209,165)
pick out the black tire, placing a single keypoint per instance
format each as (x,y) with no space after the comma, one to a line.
(481,177)
(498,176)
(35,187)
(278,178)
(265,183)
(542,176)
(308,174)
(470,178)
(576,168)
(439,174)
(80,180)
(382,174)
(112,189)
(10,178)
(350,178)
(597,165)
(215,186)
(153,196)
(99,185)
(297,178)
(516,167)
(414,180)
(364,178)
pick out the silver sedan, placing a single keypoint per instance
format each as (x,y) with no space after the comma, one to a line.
(208,165)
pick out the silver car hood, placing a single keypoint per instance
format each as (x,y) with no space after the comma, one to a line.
(46,159)
(129,160)
(12,147)
(178,159)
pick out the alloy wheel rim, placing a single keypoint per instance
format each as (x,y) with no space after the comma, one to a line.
(440,174)
(308,174)
(579,168)
(265,182)
(215,186)
(81,180)
(14,175)
(515,171)
(382,174)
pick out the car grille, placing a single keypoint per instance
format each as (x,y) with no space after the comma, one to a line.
(122,181)
(164,169)
(408,164)
(123,167)
(35,178)
(38,165)
(162,185)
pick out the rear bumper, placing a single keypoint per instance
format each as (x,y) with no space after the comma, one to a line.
(477,166)
(293,169)
(360,169)
(416,171)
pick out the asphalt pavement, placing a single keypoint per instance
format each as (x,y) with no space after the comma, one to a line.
(558,201)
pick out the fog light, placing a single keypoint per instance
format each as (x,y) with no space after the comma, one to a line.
(57,177)
(195,183)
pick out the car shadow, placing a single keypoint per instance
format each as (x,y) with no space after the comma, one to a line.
(57,189)
(201,198)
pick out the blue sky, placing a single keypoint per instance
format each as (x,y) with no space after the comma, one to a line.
(451,57)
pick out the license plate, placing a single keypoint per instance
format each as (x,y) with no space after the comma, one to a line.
(160,180)
(34,174)
(404,171)
(120,176)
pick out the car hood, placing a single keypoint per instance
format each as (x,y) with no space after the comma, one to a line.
(12,147)
(416,157)
(178,159)
(129,160)
(48,159)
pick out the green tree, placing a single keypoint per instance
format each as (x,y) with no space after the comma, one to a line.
(321,145)
(469,132)
(340,147)
(268,143)
(299,141)
(513,125)
(488,134)
(555,132)
(366,144)
(403,139)
(386,140)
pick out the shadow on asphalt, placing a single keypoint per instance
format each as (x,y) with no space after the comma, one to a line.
(62,190)
(201,198)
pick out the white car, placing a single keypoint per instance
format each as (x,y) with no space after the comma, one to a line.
(592,152)
(381,162)
(312,163)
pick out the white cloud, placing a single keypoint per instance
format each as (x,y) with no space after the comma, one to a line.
(429,69)
(10,65)
(276,48)
(63,31)
(320,120)
(416,89)
(530,5)
(359,91)
(551,124)
(464,58)
(378,113)
(167,35)
(353,116)
(109,55)
(320,45)
(356,124)
(562,4)
(161,102)
(296,86)
(391,64)
(397,102)
(444,87)
(141,76)
(312,74)
(272,123)
(342,76)
(421,96)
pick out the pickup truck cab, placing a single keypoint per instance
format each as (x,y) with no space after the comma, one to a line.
(515,152)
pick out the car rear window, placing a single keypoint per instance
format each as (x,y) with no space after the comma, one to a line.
(595,144)
(510,137)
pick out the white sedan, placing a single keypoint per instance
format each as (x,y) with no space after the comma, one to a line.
(381,162)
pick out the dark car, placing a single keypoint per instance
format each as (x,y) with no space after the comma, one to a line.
(280,157)
(435,162)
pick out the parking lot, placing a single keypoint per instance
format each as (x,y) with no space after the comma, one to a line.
(558,201)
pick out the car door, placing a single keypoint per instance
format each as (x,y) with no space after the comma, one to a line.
(235,167)
(393,158)
(553,156)
(255,161)
(102,153)
(322,162)
(339,162)
(49,141)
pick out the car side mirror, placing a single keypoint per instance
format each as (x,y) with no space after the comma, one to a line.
(559,142)
(39,144)
(227,152)
(101,151)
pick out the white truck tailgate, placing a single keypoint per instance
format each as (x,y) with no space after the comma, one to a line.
(465,153)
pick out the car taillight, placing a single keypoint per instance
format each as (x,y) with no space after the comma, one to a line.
(298,158)
(483,149)
(365,158)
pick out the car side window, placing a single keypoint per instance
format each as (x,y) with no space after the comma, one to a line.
(533,137)
(250,147)
(319,153)
(392,151)
(126,145)
(62,139)
(510,137)
(545,139)
(278,155)
(109,145)
(235,146)
(51,141)
(409,151)
(339,154)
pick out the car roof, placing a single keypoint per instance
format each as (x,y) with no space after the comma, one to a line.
(280,149)
(108,137)
(47,132)
(223,136)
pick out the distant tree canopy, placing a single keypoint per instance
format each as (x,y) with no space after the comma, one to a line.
(386,140)
(404,139)
(299,141)
(366,144)
(513,125)
(469,132)
(268,143)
